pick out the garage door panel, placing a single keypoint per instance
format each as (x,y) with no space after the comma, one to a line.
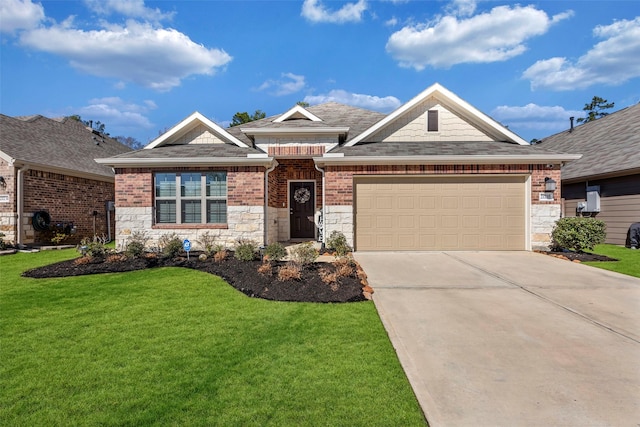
(440,213)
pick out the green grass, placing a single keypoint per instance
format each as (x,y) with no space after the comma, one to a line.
(629,260)
(180,347)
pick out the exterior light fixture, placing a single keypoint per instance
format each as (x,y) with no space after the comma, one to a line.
(549,184)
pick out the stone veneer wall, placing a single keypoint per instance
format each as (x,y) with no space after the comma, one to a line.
(8,210)
(245,207)
(340,193)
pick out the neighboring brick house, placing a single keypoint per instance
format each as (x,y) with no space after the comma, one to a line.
(609,170)
(48,170)
(434,174)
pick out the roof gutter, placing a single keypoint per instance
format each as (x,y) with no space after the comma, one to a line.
(250,160)
(335,159)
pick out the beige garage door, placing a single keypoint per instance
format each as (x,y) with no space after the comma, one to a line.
(433,213)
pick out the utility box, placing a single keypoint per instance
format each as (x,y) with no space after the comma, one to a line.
(111,206)
(593,198)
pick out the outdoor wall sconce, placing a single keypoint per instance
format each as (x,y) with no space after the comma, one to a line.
(3,183)
(549,184)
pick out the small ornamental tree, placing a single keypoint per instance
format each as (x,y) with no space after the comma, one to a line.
(578,233)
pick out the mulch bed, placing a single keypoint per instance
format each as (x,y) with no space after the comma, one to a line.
(242,275)
(577,256)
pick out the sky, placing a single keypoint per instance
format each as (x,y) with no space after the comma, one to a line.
(140,67)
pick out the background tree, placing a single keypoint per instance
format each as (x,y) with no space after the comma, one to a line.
(595,109)
(302,104)
(240,118)
(129,141)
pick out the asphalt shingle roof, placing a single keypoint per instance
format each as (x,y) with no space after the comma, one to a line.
(441,148)
(609,144)
(333,114)
(189,151)
(65,144)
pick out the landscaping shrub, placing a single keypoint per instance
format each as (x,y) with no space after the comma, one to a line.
(265,269)
(3,244)
(58,238)
(93,248)
(304,254)
(275,251)
(578,233)
(290,271)
(220,253)
(344,267)
(170,245)
(208,243)
(115,258)
(338,242)
(246,250)
(136,244)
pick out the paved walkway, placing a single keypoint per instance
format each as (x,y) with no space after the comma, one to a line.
(512,338)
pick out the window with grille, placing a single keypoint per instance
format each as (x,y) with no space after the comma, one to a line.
(191,197)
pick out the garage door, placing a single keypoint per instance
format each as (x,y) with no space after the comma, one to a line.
(434,213)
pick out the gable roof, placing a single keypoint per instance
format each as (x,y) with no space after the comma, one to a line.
(297,112)
(609,145)
(334,116)
(63,145)
(194,120)
(452,102)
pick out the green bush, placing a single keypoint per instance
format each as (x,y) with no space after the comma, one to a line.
(578,233)
(246,250)
(275,251)
(304,254)
(136,244)
(3,244)
(94,248)
(338,242)
(170,244)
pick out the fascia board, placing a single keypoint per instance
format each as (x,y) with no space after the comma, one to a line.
(7,158)
(187,122)
(445,160)
(289,131)
(63,171)
(190,161)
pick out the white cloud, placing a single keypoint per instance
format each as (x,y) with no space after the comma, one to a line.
(156,58)
(119,117)
(462,7)
(493,36)
(545,119)
(391,22)
(128,8)
(612,61)
(293,83)
(387,103)
(315,11)
(20,15)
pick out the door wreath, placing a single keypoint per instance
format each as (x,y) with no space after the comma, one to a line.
(302,195)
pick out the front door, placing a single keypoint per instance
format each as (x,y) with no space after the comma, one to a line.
(301,209)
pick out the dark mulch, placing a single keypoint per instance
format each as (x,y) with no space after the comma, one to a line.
(577,256)
(242,275)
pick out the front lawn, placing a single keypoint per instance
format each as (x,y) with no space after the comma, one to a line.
(629,259)
(172,346)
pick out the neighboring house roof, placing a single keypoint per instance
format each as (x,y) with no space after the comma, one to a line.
(609,145)
(453,103)
(62,145)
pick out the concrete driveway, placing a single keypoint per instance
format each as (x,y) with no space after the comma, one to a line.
(511,338)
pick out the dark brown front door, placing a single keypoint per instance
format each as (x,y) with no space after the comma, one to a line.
(301,205)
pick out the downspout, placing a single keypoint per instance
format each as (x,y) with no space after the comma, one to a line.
(324,204)
(266,200)
(20,205)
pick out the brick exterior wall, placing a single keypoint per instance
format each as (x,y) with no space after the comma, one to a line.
(339,179)
(66,198)
(293,169)
(245,185)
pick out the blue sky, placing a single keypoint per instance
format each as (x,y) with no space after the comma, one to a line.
(140,67)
